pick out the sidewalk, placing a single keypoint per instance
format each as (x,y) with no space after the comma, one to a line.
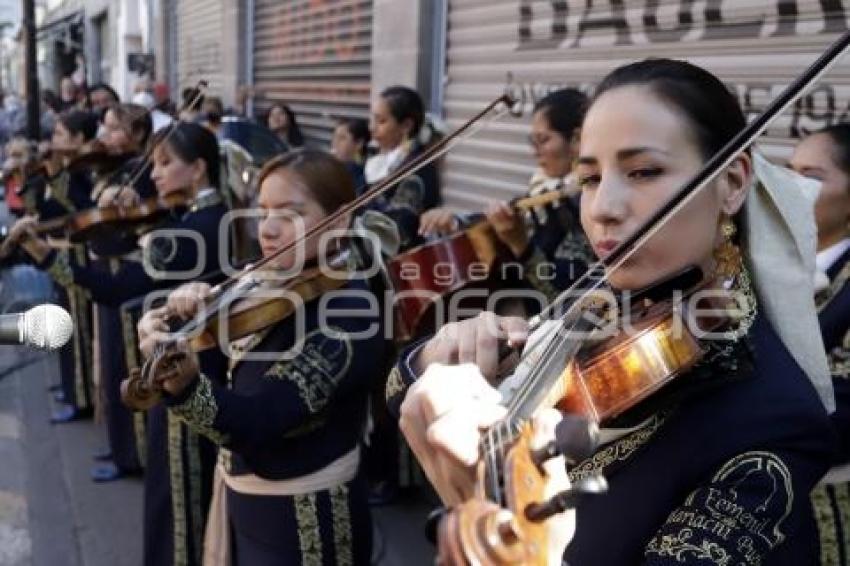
(51,513)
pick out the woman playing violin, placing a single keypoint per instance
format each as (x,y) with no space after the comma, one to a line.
(549,234)
(398,116)
(716,467)
(186,159)
(825,156)
(52,192)
(58,191)
(291,420)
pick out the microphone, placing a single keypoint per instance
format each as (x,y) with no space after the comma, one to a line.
(45,327)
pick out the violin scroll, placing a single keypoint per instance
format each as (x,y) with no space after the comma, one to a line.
(481,531)
(138,393)
(143,388)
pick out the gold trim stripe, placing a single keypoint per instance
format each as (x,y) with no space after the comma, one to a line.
(341,521)
(307,516)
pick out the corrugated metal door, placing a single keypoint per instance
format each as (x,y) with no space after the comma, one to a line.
(314,55)
(530,47)
(200,32)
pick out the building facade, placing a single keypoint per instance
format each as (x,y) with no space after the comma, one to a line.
(330,58)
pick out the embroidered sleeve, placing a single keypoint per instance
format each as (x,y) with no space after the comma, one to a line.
(540,272)
(199,410)
(58,190)
(737,518)
(401,378)
(59,268)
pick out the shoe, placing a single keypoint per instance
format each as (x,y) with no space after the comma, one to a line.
(59,396)
(102,456)
(68,414)
(382,493)
(110,472)
(55,387)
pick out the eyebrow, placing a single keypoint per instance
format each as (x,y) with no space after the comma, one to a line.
(287,204)
(623,154)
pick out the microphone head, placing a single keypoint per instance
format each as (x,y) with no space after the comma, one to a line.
(47,327)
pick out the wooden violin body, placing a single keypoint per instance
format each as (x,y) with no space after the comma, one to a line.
(423,276)
(228,318)
(428,274)
(97,222)
(505,522)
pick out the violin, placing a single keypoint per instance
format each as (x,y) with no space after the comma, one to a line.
(99,222)
(96,223)
(256,303)
(429,273)
(502,523)
(143,388)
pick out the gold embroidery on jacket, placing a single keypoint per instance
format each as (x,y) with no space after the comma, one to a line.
(827,528)
(178,492)
(682,549)
(317,370)
(618,450)
(731,528)
(60,269)
(395,384)
(200,410)
(197,516)
(341,525)
(307,516)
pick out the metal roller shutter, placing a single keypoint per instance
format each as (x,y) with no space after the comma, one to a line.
(529,47)
(314,55)
(200,30)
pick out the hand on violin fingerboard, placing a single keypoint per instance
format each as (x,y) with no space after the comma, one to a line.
(180,368)
(509,226)
(122,196)
(438,222)
(185,301)
(476,340)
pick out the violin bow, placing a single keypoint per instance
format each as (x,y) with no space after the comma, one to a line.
(720,160)
(431,154)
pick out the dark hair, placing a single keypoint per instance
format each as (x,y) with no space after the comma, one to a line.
(325,176)
(564,110)
(107,88)
(839,135)
(405,103)
(80,122)
(294,137)
(49,98)
(190,142)
(135,118)
(358,128)
(711,108)
(213,109)
(191,94)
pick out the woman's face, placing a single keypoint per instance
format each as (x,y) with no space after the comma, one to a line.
(387,132)
(171,174)
(343,145)
(636,152)
(815,157)
(115,136)
(552,150)
(287,211)
(277,119)
(63,138)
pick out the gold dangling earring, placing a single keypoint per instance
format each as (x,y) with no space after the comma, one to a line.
(727,256)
